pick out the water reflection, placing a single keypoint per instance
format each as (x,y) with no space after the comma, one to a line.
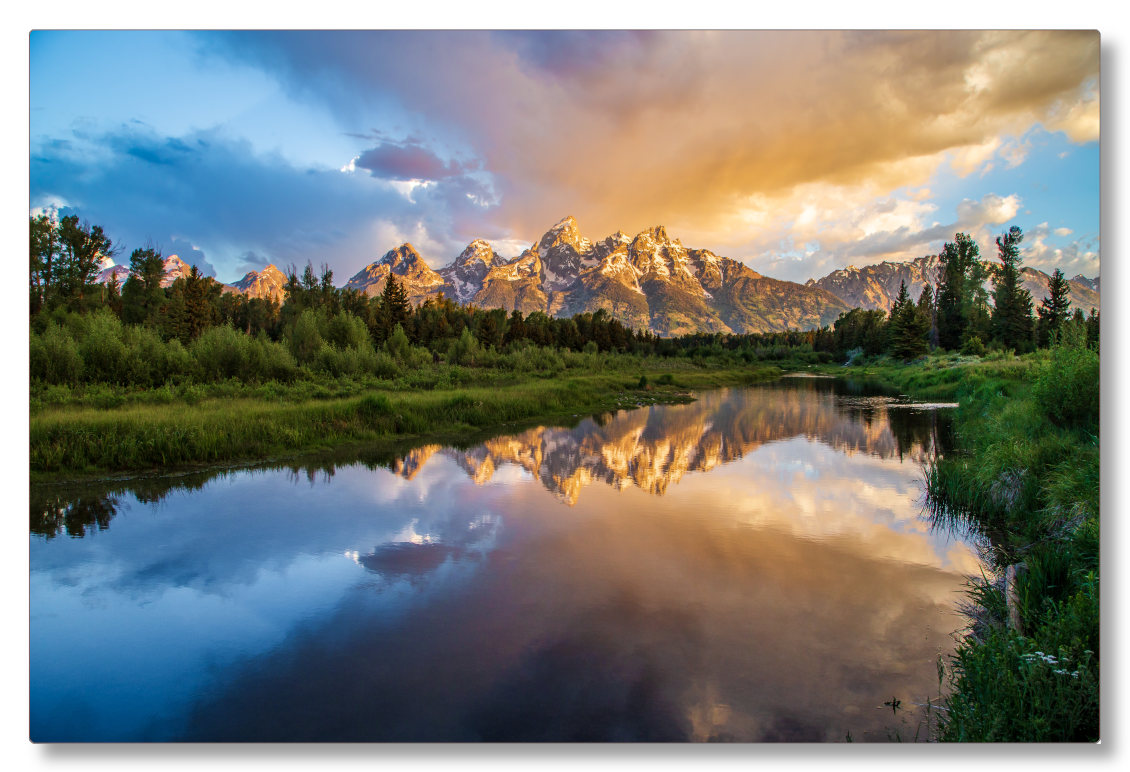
(750,566)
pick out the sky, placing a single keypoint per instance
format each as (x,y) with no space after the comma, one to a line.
(795,152)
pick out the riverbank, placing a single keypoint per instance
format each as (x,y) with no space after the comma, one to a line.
(144,430)
(1025,475)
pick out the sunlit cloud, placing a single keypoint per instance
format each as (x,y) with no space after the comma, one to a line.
(792,151)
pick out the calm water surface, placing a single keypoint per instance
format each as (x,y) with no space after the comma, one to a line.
(749,567)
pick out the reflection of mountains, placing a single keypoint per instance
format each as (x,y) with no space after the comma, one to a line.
(653,448)
(649,448)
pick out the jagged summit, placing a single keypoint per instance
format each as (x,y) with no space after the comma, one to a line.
(647,281)
(876,286)
(268,283)
(419,280)
(464,277)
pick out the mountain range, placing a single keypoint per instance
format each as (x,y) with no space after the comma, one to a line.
(877,286)
(647,281)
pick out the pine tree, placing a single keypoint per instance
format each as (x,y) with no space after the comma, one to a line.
(907,330)
(895,319)
(961,279)
(112,295)
(1054,310)
(926,308)
(1012,304)
(395,306)
(142,295)
(1093,330)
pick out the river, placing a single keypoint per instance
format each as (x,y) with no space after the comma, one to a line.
(752,566)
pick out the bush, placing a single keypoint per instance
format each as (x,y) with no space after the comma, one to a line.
(398,344)
(1067,388)
(305,339)
(463,349)
(103,353)
(973,347)
(347,331)
(643,381)
(54,356)
(666,379)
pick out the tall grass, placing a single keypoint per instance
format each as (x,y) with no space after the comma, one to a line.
(92,440)
(1026,475)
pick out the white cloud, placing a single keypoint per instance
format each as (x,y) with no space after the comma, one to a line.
(990,210)
(1063,231)
(1080,256)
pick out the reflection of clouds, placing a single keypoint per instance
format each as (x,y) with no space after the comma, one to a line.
(751,602)
(657,618)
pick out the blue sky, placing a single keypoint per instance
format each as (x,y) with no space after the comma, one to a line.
(797,153)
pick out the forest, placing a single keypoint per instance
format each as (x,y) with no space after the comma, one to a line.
(192,331)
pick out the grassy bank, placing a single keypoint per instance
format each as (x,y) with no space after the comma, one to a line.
(145,429)
(1026,476)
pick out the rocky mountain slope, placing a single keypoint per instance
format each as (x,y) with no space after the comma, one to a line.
(1091,284)
(1082,295)
(647,281)
(121,271)
(268,283)
(175,268)
(418,279)
(877,286)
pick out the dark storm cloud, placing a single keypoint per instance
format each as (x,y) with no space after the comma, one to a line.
(409,161)
(244,209)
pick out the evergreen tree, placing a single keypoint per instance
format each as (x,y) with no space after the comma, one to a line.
(908,328)
(488,331)
(1093,330)
(960,280)
(926,308)
(142,295)
(395,306)
(1054,310)
(112,295)
(1012,304)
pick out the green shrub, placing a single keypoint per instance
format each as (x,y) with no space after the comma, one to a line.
(398,344)
(221,352)
(666,379)
(347,331)
(643,381)
(103,353)
(973,347)
(384,366)
(54,356)
(464,349)
(1067,388)
(305,339)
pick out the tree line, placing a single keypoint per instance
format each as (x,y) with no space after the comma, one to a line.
(957,315)
(318,322)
